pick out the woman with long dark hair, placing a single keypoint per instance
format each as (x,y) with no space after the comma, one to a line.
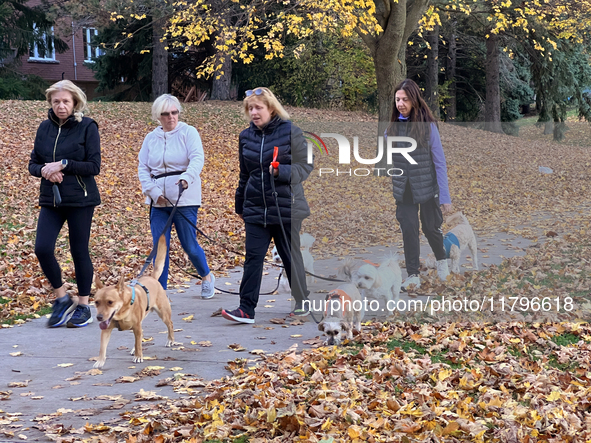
(422,187)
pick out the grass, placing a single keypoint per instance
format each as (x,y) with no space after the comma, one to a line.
(10,321)
(529,121)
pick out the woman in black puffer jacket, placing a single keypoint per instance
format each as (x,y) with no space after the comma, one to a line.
(67,156)
(255,203)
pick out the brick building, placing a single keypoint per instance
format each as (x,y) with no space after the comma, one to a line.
(70,65)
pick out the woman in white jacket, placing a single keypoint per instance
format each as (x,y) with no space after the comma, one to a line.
(170,154)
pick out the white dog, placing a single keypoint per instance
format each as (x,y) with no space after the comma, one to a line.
(306,242)
(382,282)
(343,311)
(462,235)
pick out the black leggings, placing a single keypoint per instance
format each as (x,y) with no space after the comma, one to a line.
(49,225)
(258,238)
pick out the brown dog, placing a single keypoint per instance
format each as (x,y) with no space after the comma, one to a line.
(125,307)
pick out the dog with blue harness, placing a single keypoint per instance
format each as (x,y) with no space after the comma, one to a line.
(125,306)
(460,237)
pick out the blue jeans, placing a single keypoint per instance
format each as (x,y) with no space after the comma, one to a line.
(186,233)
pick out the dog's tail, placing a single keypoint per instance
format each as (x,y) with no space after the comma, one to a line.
(160,257)
(346,271)
(391,261)
(457,217)
(306,240)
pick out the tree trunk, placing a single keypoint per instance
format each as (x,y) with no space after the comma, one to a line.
(450,72)
(222,81)
(432,87)
(398,20)
(159,61)
(492,108)
(390,71)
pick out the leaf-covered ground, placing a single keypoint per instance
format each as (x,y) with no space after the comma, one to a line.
(494,179)
(448,377)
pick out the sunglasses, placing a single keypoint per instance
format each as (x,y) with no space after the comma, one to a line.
(166,114)
(257,91)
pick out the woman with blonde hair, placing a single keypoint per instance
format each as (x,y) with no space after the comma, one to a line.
(66,156)
(172,154)
(270,199)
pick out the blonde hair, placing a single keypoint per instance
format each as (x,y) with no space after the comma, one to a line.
(164,102)
(269,99)
(77,94)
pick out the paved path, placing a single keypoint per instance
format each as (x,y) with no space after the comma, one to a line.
(55,364)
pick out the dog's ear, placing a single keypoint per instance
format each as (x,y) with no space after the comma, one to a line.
(345,327)
(121,285)
(321,326)
(97,282)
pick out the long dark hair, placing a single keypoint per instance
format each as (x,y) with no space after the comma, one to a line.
(420,112)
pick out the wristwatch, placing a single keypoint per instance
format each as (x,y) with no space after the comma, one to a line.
(64,163)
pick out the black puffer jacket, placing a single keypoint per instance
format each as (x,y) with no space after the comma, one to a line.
(254,196)
(77,142)
(421,177)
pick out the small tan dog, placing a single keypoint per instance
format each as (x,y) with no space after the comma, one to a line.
(464,238)
(344,310)
(125,307)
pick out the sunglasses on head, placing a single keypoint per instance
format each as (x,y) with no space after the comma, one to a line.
(166,114)
(257,91)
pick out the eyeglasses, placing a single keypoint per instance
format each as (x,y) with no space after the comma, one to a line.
(166,114)
(257,91)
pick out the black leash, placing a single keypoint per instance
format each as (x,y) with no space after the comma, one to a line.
(275,195)
(244,255)
(222,290)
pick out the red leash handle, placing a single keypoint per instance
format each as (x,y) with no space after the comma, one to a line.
(275,163)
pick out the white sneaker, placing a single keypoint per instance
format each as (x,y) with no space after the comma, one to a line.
(442,269)
(207,288)
(411,280)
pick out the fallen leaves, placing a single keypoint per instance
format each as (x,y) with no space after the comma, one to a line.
(390,384)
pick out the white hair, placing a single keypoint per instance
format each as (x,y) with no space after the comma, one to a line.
(163,103)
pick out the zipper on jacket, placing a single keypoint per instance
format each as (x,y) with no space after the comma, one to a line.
(59,130)
(82,185)
(263,181)
(164,164)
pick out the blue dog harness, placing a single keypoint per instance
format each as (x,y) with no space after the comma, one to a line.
(132,286)
(449,240)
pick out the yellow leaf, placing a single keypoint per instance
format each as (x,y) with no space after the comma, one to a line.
(444,374)
(553,396)
(65,365)
(271,415)
(354,431)
(189,318)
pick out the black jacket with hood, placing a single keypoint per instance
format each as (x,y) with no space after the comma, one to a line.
(77,142)
(254,195)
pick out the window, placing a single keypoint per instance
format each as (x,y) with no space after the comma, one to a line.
(90,51)
(45,50)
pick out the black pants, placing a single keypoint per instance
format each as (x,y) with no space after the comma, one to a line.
(407,215)
(257,243)
(49,225)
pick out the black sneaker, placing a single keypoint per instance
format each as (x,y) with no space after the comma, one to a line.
(61,312)
(237,315)
(81,317)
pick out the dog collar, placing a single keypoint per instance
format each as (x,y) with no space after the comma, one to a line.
(132,286)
